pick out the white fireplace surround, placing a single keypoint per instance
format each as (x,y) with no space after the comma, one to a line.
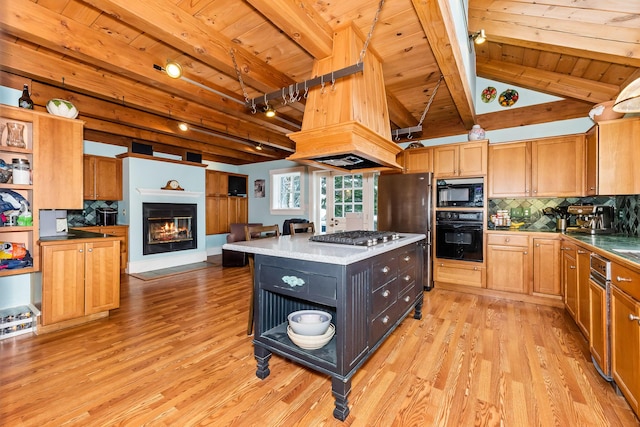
(143,179)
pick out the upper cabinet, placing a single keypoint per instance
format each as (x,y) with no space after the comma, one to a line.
(618,156)
(102,178)
(416,160)
(549,167)
(52,146)
(217,183)
(464,159)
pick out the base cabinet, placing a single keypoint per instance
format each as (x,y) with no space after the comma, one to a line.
(79,279)
(508,263)
(122,231)
(546,266)
(459,273)
(570,278)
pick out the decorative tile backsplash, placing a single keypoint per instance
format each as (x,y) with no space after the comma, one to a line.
(626,218)
(87,216)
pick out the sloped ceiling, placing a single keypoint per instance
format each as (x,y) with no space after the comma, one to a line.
(100,54)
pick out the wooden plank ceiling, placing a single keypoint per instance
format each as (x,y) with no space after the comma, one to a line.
(100,54)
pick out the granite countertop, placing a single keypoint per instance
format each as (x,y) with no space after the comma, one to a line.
(75,234)
(299,247)
(610,242)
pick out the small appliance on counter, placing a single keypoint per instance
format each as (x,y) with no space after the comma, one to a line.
(106,216)
(592,219)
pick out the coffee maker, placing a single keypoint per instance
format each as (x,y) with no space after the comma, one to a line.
(592,219)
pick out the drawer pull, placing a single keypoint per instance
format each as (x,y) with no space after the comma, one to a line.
(385,320)
(407,278)
(293,281)
(507,240)
(634,318)
(407,298)
(623,279)
(573,267)
(386,269)
(407,258)
(581,252)
(386,293)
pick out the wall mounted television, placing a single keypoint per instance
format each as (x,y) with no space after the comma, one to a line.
(237,185)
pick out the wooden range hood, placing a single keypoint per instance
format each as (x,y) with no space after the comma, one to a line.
(346,125)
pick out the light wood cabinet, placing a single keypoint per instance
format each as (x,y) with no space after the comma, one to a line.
(583,313)
(625,345)
(598,324)
(618,154)
(570,278)
(459,273)
(546,266)
(508,265)
(102,178)
(79,279)
(549,167)
(416,160)
(222,209)
(591,166)
(121,231)
(53,147)
(468,159)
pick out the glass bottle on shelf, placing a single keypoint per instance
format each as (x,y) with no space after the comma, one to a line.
(25,100)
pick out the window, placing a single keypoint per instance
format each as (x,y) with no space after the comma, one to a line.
(288,191)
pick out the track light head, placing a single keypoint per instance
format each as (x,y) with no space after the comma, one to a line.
(173,69)
(478,37)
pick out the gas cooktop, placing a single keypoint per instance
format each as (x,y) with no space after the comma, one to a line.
(357,237)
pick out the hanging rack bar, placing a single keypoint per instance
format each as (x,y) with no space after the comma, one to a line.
(406,131)
(316,81)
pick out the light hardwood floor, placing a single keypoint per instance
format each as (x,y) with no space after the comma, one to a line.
(176,354)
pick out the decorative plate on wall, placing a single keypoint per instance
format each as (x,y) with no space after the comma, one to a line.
(489,94)
(508,97)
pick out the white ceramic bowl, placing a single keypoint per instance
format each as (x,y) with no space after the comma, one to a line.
(308,342)
(309,322)
(62,108)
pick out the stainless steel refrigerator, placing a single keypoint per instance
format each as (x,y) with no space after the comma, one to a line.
(405,206)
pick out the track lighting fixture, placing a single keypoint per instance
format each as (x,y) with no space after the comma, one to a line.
(173,69)
(478,37)
(183,127)
(268,111)
(259,146)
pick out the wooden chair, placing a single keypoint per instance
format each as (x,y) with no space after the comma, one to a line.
(253,232)
(302,227)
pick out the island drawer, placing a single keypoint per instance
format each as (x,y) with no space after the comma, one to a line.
(298,283)
(383,297)
(384,270)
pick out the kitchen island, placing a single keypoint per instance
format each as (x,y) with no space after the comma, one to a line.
(367,290)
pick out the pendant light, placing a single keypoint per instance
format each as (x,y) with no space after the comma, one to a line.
(629,99)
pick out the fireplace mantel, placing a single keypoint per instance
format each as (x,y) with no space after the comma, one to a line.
(168,193)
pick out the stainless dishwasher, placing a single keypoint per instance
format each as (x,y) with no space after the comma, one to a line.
(600,302)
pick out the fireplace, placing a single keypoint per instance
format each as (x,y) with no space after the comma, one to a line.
(168,227)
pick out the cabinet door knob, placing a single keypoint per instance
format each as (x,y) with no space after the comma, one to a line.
(525,253)
(386,293)
(407,258)
(537,245)
(385,269)
(407,278)
(623,279)
(90,250)
(385,319)
(634,318)
(407,298)
(81,251)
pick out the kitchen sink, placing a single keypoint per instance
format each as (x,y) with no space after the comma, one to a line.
(632,253)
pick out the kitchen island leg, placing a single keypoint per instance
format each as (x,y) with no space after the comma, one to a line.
(417,313)
(341,389)
(262,356)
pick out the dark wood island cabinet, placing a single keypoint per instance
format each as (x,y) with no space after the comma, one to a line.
(368,291)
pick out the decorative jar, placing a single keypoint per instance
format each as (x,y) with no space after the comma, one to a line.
(476,133)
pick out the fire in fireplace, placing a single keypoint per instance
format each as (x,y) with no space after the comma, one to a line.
(168,227)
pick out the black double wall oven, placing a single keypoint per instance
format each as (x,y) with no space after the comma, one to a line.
(459,235)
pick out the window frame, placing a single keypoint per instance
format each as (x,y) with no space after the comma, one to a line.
(274,178)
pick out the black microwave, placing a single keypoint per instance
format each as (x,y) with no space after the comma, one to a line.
(460,192)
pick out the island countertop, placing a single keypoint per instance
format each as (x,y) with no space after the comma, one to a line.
(300,247)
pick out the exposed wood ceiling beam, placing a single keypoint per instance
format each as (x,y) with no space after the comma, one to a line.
(299,20)
(437,22)
(534,114)
(546,81)
(47,68)
(601,35)
(164,21)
